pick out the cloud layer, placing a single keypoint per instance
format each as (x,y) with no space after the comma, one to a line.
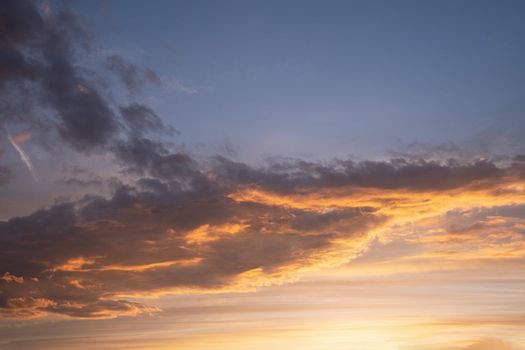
(230,227)
(182,224)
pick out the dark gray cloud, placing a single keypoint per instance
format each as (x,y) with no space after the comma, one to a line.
(77,258)
(418,175)
(40,56)
(83,182)
(144,156)
(45,87)
(21,22)
(141,119)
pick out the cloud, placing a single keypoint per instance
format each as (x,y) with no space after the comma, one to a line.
(203,227)
(83,182)
(419,175)
(141,119)
(133,77)
(7,277)
(182,224)
(142,156)
(77,254)
(49,89)
(178,85)
(38,54)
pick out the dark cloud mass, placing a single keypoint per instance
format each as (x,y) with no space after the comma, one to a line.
(142,119)
(395,174)
(181,229)
(39,56)
(143,156)
(74,258)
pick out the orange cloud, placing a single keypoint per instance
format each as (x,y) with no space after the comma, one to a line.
(12,278)
(223,237)
(21,137)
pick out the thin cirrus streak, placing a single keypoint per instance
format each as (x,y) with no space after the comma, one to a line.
(23,156)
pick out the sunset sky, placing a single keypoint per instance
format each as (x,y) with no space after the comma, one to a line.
(231,175)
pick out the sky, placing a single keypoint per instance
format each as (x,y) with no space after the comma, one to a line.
(255,174)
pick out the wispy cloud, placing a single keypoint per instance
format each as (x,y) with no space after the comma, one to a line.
(24,157)
(179,85)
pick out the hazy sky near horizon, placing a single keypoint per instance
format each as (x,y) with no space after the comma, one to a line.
(254,174)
